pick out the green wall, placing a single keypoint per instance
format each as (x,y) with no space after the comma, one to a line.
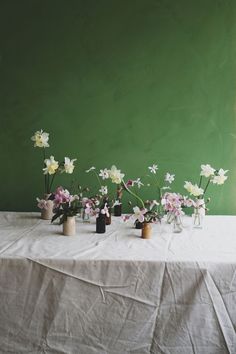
(125,82)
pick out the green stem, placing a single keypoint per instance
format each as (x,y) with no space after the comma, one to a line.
(133,194)
(97,178)
(207,185)
(45,176)
(200,182)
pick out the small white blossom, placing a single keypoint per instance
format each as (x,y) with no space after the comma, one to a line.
(104,173)
(169,178)
(90,169)
(207,170)
(138,182)
(153,168)
(103,190)
(40,139)
(220,178)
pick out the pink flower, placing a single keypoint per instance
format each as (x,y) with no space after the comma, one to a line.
(129,183)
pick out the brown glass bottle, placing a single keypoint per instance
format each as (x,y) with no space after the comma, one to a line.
(101,224)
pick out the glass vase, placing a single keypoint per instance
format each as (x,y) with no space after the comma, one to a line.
(177,224)
(198,218)
(85,216)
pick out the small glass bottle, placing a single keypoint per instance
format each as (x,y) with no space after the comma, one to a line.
(101,224)
(117,208)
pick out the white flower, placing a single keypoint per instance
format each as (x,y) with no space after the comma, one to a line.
(115,175)
(196,191)
(169,178)
(90,169)
(139,214)
(207,170)
(165,187)
(103,190)
(138,182)
(104,173)
(154,203)
(69,165)
(40,139)
(188,186)
(51,166)
(153,168)
(117,202)
(220,178)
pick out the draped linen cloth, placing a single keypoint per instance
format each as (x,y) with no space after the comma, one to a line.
(116,293)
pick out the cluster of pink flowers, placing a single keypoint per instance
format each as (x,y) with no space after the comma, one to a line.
(62,196)
(91,208)
(174,202)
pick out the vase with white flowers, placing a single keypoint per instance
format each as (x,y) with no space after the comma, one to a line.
(66,207)
(103,195)
(50,169)
(209,175)
(173,204)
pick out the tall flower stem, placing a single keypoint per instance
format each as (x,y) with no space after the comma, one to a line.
(133,194)
(207,185)
(200,182)
(45,176)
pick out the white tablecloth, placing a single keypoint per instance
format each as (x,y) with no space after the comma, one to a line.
(116,293)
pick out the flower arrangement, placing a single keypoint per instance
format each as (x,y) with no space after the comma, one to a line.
(65,205)
(51,167)
(212,176)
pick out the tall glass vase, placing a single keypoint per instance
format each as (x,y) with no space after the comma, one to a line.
(177,224)
(198,215)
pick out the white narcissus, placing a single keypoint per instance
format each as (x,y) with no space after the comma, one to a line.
(116,175)
(207,170)
(51,166)
(40,139)
(188,186)
(196,191)
(69,165)
(220,178)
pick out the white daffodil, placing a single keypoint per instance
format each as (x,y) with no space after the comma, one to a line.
(153,168)
(51,166)
(196,191)
(220,178)
(90,169)
(69,165)
(103,190)
(40,139)
(138,182)
(104,173)
(188,186)
(207,170)
(115,175)
(139,214)
(169,178)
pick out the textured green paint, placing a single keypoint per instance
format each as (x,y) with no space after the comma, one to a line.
(117,81)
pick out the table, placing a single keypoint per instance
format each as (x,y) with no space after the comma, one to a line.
(116,293)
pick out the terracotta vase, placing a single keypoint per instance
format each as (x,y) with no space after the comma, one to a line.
(47,214)
(69,226)
(146,230)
